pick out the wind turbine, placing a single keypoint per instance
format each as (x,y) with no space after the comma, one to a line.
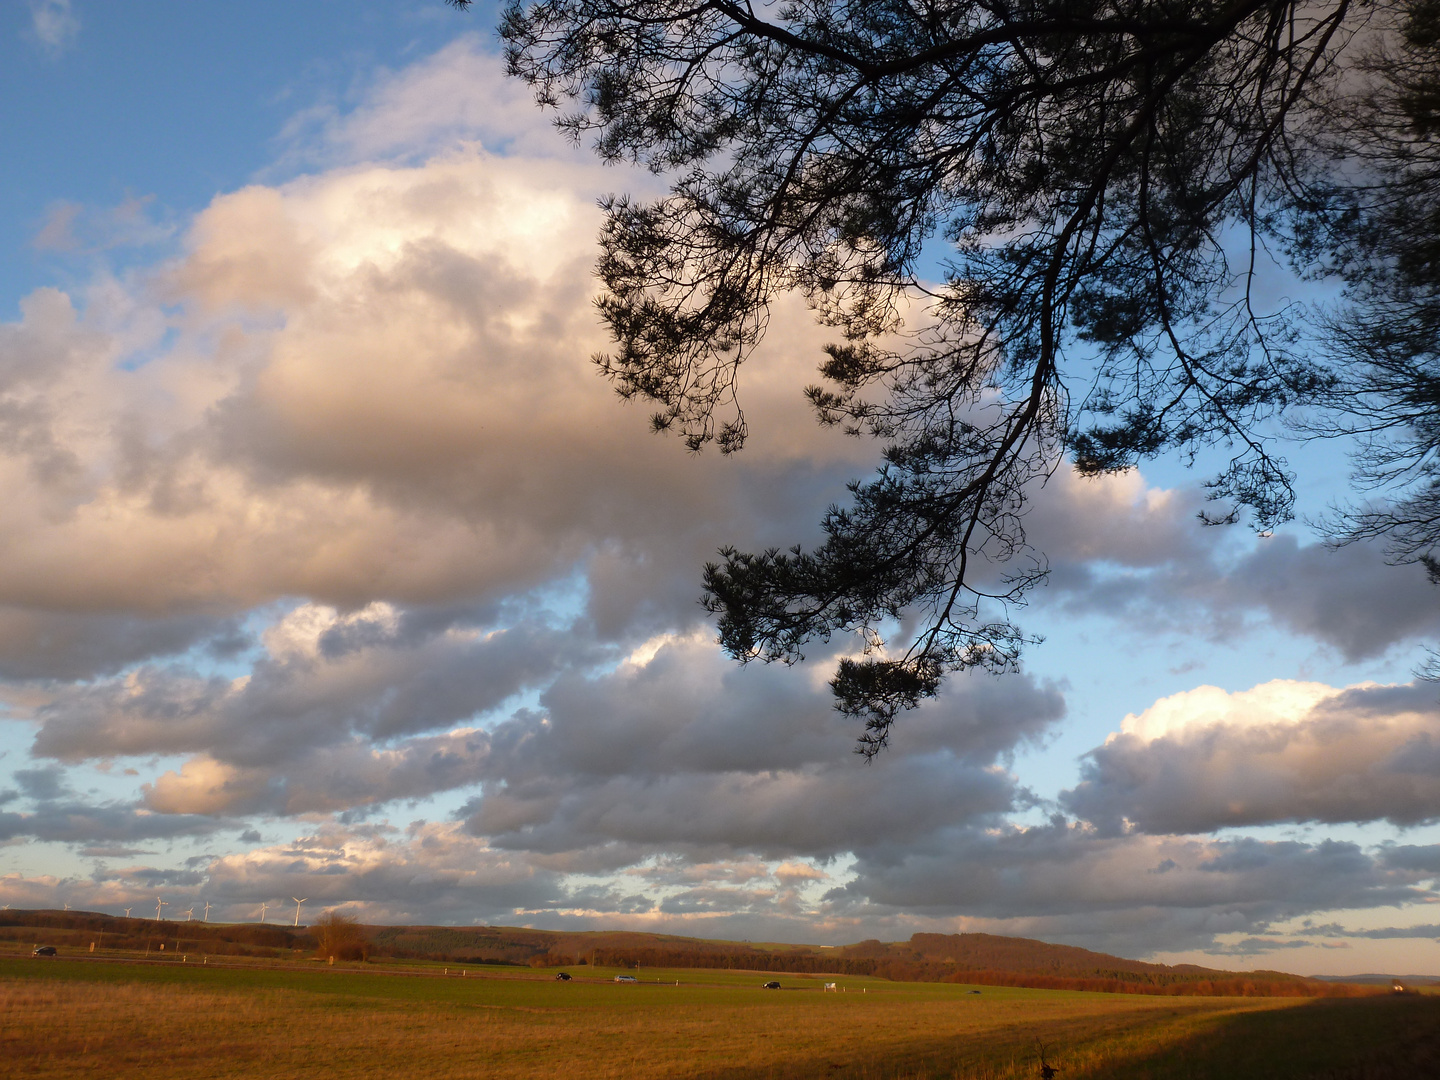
(158,905)
(190,914)
(298,901)
(127,911)
(207,910)
(263,906)
(67,906)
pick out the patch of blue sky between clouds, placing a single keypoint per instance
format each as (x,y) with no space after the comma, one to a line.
(173,101)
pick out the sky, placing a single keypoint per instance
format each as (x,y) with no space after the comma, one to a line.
(330,568)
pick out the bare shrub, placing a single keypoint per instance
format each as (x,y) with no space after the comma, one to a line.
(340,937)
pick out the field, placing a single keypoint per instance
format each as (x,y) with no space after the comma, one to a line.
(79,1018)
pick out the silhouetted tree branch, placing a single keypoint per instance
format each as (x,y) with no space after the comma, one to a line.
(1386,245)
(1104,177)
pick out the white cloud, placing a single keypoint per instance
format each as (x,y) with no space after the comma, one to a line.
(1116,546)
(1283,701)
(364,679)
(53,24)
(459,94)
(1283,751)
(426,873)
(691,753)
(379,389)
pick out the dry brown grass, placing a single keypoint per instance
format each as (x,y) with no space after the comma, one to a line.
(72,1024)
(67,1029)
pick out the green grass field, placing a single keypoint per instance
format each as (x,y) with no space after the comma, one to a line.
(78,1018)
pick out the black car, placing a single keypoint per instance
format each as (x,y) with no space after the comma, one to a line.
(562,976)
(44,950)
(772,986)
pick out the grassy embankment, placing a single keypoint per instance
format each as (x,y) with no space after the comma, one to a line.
(73,1018)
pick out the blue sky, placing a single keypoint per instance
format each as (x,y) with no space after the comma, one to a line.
(175,102)
(332,570)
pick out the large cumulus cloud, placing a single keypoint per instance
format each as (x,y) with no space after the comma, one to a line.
(687,751)
(322,678)
(1282,752)
(375,387)
(1131,893)
(1119,547)
(673,747)
(329,516)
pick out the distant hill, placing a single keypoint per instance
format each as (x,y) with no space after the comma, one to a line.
(994,952)
(544,948)
(964,958)
(77,929)
(1376,980)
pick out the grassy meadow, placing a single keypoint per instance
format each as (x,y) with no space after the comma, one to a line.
(80,1018)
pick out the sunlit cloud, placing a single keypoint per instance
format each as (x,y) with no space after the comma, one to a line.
(332,569)
(1283,751)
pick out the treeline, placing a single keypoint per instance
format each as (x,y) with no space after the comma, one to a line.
(461,945)
(740,960)
(77,929)
(1283,986)
(1193,982)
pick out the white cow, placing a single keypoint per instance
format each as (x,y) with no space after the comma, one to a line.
(830,986)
